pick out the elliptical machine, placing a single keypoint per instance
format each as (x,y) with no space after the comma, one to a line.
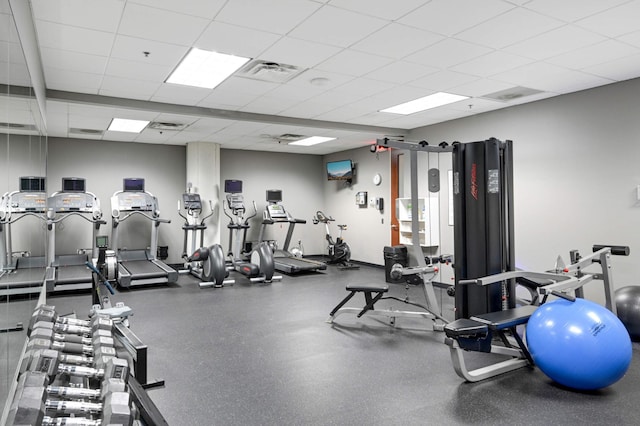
(260,266)
(339,250)
(205,263)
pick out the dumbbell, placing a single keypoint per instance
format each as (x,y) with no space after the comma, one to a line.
(44,330)
(48,313)
(59,324)
(31,403)
(102,346)
(48,361)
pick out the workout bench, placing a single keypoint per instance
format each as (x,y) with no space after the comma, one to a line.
(372,294)
(476,334)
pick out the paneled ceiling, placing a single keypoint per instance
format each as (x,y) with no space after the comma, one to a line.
(110,58)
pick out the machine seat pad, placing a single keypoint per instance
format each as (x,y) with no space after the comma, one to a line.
(465,327)
(378,288)
(507,318)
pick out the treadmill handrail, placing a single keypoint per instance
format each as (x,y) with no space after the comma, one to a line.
(131,213)
(24,214)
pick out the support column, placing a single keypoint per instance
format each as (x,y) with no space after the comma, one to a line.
(203,172)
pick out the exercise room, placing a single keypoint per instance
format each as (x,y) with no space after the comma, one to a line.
(305,212)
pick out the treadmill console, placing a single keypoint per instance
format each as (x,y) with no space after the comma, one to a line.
(34,202)
(130,201)
(276,211)
(62,202)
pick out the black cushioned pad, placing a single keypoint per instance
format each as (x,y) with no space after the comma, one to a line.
(508,318)
(380,288)
(465,327)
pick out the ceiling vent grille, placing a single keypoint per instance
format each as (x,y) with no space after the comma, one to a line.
(164,125)
(511,94)
(17,126)
(87,132)
(269,71)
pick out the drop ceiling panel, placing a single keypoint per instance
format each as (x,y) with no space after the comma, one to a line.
(235,40)
(416,46)
(401,72)
(246,85)
(72,81)
(74,61)
(618,70)
(268,105)
(274,16)
(555,42)
(614,22)
(351,62)
(5,27)
(128,88)
(300,53)
(178,94)
(509,28)
(231,99)
(481,87)
(445,17)
(161,25)
(397,41)
(85,122)
(345,29)
(443,80)
(447,53)
(606,51)
(133,48)
(379,8)
(572,10)
(74,39)
(95,15)
(138,70)
(491,63)
(202,8)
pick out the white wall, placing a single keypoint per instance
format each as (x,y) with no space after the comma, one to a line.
(576,172)
(368,230)
(104,164)
(300,177)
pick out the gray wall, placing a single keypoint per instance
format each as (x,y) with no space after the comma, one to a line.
(576,172)
(104,164)
(23,156)
(368,229)
(300,177)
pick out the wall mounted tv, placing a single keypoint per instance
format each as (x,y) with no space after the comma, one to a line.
(340,170)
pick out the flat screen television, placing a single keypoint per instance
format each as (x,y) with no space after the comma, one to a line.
(340,170)
(32,184)
(274,195)
(232,186)
(133,184)
(73,184)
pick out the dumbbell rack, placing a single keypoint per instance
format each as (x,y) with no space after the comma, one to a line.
(44,384)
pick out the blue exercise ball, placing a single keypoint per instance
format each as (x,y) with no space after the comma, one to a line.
(628,307)
(579,344)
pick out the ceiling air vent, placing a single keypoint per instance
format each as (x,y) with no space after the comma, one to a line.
(163,125)
(86,132)
(511,94)
(17,126)
(269,71)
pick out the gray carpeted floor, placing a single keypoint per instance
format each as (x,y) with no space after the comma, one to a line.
(256,354)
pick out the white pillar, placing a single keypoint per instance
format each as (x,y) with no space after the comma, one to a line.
(203,172)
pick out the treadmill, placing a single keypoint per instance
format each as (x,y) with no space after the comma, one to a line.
(138,266)
(283,259)
(25,274)
(70,272)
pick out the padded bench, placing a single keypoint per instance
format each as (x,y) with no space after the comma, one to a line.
(372,293)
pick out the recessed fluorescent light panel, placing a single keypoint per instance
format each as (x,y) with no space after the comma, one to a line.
(427,102)
(201,68)
(126,125)
(313,140)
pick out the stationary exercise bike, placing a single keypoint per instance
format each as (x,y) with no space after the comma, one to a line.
(339,251)
(205,263)
(256,264)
